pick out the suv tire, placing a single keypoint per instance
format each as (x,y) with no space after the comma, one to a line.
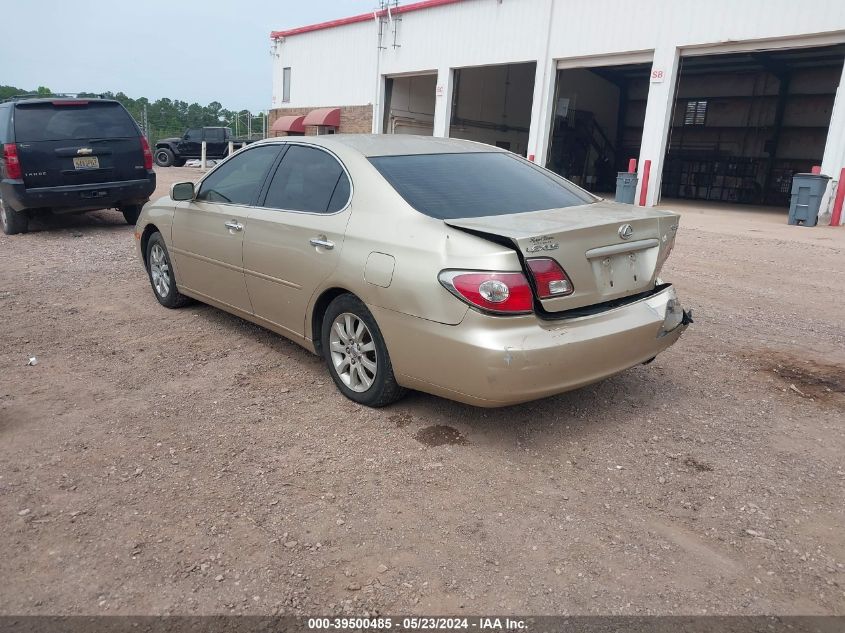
(179,162)
(13,222)
(131,213)
(359,365)
(160,272)
(164,157)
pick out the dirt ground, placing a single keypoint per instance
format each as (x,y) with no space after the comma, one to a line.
(163,462)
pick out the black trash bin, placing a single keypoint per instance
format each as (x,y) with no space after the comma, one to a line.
(807,192)
(626,187)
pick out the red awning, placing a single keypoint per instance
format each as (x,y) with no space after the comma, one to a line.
(323,116)
(289,124)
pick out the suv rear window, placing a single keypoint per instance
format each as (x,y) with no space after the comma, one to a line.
(50,122)
(478,184)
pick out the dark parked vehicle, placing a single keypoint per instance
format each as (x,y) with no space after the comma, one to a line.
(175,151)
(70,155)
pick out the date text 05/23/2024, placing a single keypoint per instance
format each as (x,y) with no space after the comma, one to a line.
(418,623)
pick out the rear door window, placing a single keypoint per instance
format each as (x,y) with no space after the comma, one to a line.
(214,135)
(238,180)
(478,184)
(308,179)
(56,122)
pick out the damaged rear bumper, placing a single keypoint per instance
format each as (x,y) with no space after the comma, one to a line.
(497,361)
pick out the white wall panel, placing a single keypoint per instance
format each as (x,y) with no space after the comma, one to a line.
(338,65)
(328,67)
(342,65)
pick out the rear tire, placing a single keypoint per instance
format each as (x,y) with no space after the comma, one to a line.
(164,157)
(356,354)
(178,162)
(131,213)
(11,221)
(160,272)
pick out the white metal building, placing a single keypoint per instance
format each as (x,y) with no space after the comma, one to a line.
(720,100)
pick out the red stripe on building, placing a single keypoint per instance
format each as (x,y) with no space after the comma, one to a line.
(364,17)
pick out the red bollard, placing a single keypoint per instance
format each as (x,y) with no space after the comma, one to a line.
(632,166)
(816,169)
(836,216)
(644,189)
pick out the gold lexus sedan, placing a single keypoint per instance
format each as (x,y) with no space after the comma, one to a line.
(442,265)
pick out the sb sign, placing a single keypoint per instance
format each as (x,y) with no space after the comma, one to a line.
(657,75)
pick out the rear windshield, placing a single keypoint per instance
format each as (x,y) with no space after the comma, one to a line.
(50,122)
(471,185)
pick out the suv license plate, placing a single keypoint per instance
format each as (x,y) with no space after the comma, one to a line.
(86,162)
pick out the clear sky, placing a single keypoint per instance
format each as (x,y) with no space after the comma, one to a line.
(193,50)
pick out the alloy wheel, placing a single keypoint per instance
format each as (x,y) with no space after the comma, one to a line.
(160,270)
(353,352)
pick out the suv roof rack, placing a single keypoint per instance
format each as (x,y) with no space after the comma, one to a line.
(35,95)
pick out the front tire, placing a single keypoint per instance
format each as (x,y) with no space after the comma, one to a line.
(13,222)
(164,157)
(161,275)
(356,354)
(178,162)
(131,213)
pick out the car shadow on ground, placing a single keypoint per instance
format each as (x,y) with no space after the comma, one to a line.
(585,410)
(105,219)
(436,421)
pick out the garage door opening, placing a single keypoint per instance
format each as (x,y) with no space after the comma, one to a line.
(743,124)
(409,104)
(492,104)
(597,123)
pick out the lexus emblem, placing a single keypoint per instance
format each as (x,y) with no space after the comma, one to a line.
(626,231)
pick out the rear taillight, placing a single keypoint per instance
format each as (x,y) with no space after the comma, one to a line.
(13,163)
(551,280)
(499,293)
(148,155)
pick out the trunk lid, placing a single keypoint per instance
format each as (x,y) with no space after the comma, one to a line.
(603,259)
(76,143)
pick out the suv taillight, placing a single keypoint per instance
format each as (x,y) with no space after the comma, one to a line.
(551,280)
(148,155)
(496,292)
(13,163)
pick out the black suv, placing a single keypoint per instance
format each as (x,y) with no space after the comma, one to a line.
(175,151)
(70,155)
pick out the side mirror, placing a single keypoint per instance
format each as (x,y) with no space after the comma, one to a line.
(182,191)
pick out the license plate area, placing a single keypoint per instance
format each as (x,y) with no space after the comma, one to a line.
(86,162)
(88,195)
(624,272)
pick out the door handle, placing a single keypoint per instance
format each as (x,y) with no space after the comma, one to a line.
(322,240)
(234,225)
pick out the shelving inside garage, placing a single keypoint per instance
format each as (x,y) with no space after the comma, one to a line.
(745,123)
